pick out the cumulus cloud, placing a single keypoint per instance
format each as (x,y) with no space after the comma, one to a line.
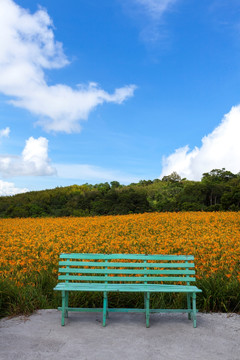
(4,132)
(220,149)
(33,161)
(8,188)
(28,48)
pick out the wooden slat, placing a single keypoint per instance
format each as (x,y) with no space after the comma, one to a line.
(141,268)
(126,287)
(125,264)
(126,271)
(125,278)
(127,257)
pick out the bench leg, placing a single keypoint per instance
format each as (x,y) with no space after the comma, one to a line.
(147,306)
(194,311)
(189,305)
(66,304)
(63,307)
(105,307)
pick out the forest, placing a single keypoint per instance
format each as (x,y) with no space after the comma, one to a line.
(218,190)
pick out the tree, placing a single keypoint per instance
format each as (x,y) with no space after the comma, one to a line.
(173,177)
(231,200)
(216,184)
(115,184)
(193,196)
(218,175)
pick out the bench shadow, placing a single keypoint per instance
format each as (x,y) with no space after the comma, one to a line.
(156,319)
(177,319)
(131,319)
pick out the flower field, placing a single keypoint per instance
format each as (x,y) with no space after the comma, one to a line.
(31,247)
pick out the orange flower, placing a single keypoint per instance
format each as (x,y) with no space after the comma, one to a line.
(29,246)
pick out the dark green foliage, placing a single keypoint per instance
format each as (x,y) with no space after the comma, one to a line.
(218,190)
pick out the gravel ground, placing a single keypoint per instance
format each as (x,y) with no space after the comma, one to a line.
(170,336)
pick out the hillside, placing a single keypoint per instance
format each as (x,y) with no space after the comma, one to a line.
(218,190)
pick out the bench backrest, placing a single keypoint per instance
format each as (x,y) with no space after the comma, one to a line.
(126,268)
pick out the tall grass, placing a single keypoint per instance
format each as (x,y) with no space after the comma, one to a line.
(24,299)
(219,294)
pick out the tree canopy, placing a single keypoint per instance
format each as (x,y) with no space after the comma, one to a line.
(218,190)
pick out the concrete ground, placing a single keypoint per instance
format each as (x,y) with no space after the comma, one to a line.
(170,336)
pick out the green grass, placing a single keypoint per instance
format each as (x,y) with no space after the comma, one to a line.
(219,294)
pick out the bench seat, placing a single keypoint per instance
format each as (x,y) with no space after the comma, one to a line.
(126,287)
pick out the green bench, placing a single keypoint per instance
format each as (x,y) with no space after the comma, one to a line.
(127,273)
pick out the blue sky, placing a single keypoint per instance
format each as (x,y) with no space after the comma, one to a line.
(94,91)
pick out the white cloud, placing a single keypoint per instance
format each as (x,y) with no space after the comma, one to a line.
(220,149)
(90,173)
(27,48)
(8,188)
(4,132)
(150,15)
(156,8)
(33,161)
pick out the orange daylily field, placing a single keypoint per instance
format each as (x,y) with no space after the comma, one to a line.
(30,245)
